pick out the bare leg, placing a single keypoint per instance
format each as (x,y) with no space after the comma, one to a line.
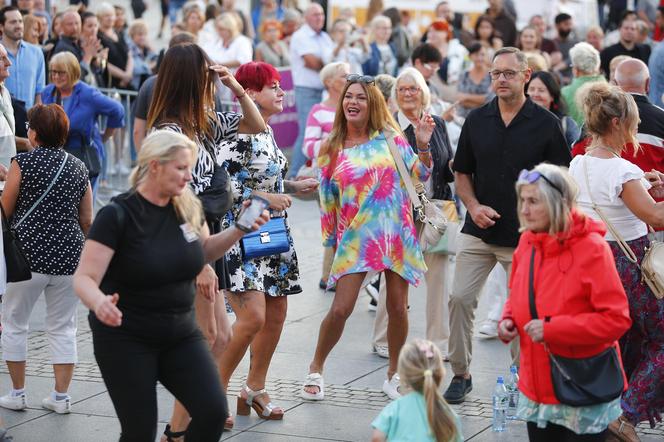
(264,344)
(397,314)
(17,373)
(63,374)
(249,309)
(332,326)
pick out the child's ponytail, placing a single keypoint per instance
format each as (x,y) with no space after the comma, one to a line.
(421,368)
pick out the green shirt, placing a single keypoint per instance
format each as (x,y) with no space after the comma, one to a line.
(569,96)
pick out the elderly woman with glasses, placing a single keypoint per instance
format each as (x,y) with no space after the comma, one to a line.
(413,98)
(559,305)
(367,217)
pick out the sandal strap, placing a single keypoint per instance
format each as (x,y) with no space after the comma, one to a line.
(269,408)
(251,394)
(313,380)
(170,434)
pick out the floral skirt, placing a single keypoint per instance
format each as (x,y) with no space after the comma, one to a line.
(592,419)
(642,347)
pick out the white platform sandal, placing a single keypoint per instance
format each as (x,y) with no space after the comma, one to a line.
(313,380)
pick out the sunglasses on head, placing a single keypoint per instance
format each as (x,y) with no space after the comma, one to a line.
(530,176)
(357,78)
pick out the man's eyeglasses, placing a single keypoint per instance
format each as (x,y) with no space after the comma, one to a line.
(508,74)
(531,176)
(357,78)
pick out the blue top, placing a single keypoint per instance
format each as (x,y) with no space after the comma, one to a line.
(656,67)
(373,65)
(83,108)
(405,419)
(27,73)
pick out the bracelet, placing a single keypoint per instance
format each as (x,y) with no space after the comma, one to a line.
(427,150)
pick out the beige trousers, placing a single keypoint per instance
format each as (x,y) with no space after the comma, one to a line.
(474,261)
(437,313)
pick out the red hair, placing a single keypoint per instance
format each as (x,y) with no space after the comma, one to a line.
(441,25)
(255,75)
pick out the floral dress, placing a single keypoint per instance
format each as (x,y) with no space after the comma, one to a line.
(366,212)
(255,162)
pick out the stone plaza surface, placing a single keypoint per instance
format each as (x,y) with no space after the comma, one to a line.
(353,374)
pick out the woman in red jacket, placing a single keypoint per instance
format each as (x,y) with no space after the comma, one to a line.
(579,299)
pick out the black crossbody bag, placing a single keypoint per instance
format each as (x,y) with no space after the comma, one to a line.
(584,381)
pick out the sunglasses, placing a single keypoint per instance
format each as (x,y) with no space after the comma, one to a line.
(530,176)
(357,78)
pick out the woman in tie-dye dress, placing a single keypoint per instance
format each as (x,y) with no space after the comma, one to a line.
(367,217)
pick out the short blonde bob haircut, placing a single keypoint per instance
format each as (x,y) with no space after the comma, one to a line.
(66,61)
(413,75)
(559,206)
(162,146)
(228,20)
(331,69)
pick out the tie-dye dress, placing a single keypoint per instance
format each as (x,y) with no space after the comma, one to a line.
(366,212)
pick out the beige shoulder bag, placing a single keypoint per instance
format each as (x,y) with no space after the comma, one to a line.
(652,266)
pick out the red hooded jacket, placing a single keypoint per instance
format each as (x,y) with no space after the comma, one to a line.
(578,294)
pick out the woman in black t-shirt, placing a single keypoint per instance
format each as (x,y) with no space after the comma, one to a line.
(144,251)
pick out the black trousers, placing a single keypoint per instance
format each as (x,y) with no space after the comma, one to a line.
(558,433)
(179,358)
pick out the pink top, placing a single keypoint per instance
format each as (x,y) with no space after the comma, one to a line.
(319,126)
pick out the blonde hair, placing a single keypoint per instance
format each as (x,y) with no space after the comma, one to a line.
(162,146)
(375,22)
(601,103)
(559,207)
(105,8)
(229,21)
(421,369)
(331,69)
(139,26)
(416,77)
(68,63)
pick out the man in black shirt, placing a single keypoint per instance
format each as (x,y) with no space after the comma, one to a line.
(497,141)
(626,46)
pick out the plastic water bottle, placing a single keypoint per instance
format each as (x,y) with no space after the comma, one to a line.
(512,392)
(500,401)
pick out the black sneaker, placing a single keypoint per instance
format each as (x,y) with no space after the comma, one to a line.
(458,389)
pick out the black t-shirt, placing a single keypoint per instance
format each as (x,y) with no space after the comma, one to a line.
(495,155)
(156,258)
(642,52)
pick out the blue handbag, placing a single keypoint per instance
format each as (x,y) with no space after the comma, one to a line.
(271,239)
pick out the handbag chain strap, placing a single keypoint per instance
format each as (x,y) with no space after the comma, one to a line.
(415,196)
(48,189)
(626,249)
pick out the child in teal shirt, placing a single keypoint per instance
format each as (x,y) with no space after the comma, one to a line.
(421,415)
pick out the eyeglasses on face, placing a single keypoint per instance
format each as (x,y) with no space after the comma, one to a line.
(357,78)
(508,74)
(531,176)
(408,90)
(57,73)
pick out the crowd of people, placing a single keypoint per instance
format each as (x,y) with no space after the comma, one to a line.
(481,116)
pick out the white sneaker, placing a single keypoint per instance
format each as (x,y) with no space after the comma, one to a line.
(111,171)
(123,170)
(489,329)
(62,406)
(14,402)
(391,388)
(381,350)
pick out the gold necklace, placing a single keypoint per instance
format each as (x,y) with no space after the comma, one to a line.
(606,149)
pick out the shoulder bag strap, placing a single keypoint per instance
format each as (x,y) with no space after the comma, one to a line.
(39,200)
(626,249)
(531,286)
(405,176)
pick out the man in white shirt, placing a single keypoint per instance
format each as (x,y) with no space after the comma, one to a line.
(7,130)
(310,49)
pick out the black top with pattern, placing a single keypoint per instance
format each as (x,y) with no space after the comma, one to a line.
(51,235)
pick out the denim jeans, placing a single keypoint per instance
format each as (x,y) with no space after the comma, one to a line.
(173,7)
(305,98)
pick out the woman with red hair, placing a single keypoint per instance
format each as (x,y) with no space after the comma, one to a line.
(440,35)
(258,286)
